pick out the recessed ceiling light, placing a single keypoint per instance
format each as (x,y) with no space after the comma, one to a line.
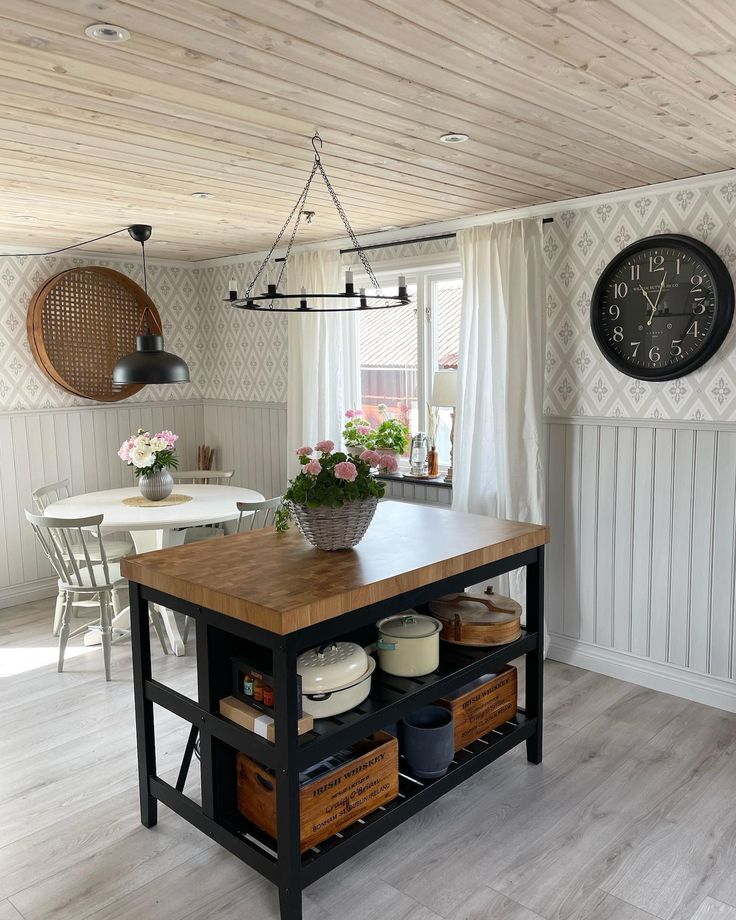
(454,138)
(105,32)
(202,195)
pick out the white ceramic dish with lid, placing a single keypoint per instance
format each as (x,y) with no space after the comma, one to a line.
(335,677)
(409,644)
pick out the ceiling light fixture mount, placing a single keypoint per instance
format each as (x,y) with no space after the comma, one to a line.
(107,33)
(149,363)
(273,300)
(205,196)
(454,138)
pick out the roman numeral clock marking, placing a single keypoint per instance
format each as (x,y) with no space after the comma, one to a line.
(662,307)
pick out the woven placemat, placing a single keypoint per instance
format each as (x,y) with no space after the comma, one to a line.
(138,501)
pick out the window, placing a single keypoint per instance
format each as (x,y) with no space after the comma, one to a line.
(401,348)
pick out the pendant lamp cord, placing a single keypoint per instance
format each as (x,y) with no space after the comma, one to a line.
(53,252)
(144,326)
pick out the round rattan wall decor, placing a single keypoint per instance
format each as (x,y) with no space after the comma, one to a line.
(81,322)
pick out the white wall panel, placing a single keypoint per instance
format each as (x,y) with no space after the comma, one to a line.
(643,553)
(79,444)
(251,439)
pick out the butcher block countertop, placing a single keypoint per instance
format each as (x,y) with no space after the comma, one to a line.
(282,583)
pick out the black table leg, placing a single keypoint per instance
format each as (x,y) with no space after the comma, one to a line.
(288,812)
(140,639)
(535,658)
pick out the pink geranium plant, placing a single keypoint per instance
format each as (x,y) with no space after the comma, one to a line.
(330,480)
(358,431)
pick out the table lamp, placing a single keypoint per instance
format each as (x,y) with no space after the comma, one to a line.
(444,393)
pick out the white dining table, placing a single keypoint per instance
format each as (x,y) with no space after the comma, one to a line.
(156,527)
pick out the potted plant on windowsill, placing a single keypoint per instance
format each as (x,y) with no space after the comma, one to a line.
(151,456)
(358,434)
(334,496)
(391,437)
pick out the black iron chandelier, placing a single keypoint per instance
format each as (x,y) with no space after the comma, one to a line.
(276,301)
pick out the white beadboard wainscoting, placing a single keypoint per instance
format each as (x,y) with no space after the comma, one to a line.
(250,437)
(641,570)
(81,444)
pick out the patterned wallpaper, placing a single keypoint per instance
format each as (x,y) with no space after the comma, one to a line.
(232,354)
(244,352)
(24,386)
(578,245)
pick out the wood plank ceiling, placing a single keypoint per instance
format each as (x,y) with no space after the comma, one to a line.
(561,98)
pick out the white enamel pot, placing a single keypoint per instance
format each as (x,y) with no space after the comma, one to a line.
(409,644)
(335,702)
(335,677)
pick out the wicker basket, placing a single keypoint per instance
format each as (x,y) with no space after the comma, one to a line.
(335,528)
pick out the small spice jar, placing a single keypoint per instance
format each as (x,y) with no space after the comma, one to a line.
(248,685)
(267,695)
(258,691)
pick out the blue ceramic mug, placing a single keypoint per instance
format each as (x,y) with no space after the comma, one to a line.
(429,741)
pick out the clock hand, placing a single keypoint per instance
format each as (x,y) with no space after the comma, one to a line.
(659,294)
(661,288)
(652,306)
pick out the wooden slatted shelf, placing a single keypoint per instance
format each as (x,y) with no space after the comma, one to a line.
(391,698)
(414,794)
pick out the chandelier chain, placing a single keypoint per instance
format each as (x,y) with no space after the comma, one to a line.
(267,257)
(272,294)
(343,216)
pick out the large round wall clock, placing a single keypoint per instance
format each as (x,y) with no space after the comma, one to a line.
(662,307)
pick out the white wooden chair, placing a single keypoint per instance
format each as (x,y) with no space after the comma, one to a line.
(83,573)
(257,515)
(204,477)
(115,548)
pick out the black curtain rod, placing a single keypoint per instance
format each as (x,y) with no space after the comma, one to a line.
(418,239)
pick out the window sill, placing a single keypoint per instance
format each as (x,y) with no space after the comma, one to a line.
(414,480)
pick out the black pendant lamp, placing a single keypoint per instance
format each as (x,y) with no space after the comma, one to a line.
(149,363)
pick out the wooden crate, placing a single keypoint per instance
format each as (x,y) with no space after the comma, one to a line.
(480,707)
(332,801)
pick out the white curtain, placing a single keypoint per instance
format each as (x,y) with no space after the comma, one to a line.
(323,371)
(498,466)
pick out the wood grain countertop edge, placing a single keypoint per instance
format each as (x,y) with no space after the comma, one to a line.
(282,622)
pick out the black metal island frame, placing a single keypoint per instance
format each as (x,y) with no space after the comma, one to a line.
(272,595)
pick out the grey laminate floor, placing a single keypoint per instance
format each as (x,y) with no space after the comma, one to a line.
(630,817)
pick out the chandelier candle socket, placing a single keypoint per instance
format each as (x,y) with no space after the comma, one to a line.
(233,286)
(330,301)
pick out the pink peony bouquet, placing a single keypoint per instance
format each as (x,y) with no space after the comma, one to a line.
(148,453)
(330,478)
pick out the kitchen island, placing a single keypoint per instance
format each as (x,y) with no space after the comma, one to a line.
(274,595)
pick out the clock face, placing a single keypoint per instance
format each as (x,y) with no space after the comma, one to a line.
(662,307)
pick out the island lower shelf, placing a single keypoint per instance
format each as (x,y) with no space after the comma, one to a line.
(414,794)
